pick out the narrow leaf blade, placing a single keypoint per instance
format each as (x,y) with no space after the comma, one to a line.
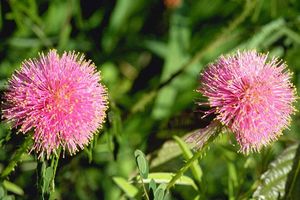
(129,189)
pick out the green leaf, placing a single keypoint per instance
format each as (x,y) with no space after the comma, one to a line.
(159,193)
(165,177)
(292,187)
(9,186)
(142,163)
(129,189)
(187,153)
(272,182)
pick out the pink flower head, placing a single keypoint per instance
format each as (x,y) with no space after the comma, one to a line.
(172,4)
(61,98)
(250,95)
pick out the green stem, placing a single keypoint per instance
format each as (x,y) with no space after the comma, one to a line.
(144,188)
(54,165)
(193,159)
(17,157)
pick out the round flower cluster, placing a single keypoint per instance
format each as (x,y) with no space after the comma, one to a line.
(250,94)
(60,98)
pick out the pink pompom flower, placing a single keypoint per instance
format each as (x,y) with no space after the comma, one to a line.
(250,94)
(60,98)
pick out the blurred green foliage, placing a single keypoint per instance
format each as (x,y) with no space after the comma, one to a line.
(150,57)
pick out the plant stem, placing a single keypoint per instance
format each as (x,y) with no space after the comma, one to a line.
(145,191)
(54,165)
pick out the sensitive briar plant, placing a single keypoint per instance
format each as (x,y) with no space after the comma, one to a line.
(61,98)
(252,95)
